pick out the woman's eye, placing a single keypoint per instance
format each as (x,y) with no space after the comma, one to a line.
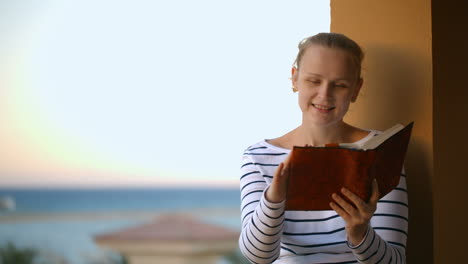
(341,85)
(314,81)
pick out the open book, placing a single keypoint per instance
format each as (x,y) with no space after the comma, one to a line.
(315,173)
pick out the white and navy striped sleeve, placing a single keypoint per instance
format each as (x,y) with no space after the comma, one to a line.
(262,221)
(385,240)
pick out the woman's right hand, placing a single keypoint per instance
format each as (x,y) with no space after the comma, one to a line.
(276,193)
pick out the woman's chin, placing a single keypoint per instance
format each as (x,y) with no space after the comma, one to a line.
(321,120)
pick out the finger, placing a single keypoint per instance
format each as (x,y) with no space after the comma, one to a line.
(287,159)
(340,211)
(281,176)
(284,175)
(285,170)
(277,190)
(360,204)
(375,192)
(278,172)
(344,204)
(279,169)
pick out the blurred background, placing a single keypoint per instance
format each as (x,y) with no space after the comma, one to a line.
(115,113)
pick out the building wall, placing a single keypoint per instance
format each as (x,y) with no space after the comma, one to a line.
(398,88)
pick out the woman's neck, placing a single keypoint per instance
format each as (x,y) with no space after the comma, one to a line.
(313,135)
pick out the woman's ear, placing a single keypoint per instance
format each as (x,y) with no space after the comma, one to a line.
(294,75)
(357,90)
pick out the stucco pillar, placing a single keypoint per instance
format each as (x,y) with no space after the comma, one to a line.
(398,88)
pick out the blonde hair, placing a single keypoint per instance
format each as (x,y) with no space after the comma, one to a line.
(332,40)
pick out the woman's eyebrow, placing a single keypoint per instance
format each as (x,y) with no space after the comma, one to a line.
(343,79)
(336,79)
(313,74)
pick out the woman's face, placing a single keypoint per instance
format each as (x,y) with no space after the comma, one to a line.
(327,82)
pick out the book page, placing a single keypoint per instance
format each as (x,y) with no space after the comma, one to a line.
(377,140)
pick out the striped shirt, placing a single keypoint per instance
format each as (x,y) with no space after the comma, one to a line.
(271,234)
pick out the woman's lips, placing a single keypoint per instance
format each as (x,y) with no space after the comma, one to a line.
(323,108)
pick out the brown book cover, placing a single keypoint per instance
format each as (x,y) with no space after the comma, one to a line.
(315,173)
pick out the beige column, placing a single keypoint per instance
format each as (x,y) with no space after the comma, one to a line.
(398,88)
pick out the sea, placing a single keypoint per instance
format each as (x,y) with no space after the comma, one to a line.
(61,223)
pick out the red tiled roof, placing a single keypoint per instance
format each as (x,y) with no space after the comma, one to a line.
(171,227)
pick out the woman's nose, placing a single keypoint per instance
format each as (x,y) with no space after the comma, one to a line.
(325,89)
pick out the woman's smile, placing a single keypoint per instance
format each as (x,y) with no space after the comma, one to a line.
(323,108)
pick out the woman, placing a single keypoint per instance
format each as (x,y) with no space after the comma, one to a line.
(327,77)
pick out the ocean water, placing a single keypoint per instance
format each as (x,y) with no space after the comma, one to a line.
(62,222)
(70,200)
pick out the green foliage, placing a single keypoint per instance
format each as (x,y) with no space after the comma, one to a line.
(10,254)
(236,258)
(106,257)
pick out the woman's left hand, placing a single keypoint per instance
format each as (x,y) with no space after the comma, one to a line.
(357,217)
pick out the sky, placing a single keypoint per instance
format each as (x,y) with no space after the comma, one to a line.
(100,93)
